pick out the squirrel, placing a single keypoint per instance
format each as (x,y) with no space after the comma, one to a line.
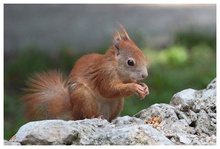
(96,86)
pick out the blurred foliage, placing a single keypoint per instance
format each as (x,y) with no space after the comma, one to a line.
(189,63)
(192,37)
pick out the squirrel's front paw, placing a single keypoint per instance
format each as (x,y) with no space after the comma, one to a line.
(145,87)
(141,90)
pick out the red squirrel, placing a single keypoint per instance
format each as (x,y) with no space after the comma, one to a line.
(96,86)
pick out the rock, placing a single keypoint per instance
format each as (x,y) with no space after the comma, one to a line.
(183,138)
(184,99)
(164,111)
(136,132)
(11,143)
(45,133)
(203,123)
(198,108)
(189,119)
(122,131)
(212,85)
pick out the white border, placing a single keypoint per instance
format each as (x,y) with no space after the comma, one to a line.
(101,2)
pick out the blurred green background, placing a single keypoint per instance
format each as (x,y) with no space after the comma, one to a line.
(190,62)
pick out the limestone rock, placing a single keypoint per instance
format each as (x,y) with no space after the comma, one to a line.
(123,131)
(11,143)
(189,119)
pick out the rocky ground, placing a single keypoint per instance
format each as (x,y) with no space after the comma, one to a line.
(189,119)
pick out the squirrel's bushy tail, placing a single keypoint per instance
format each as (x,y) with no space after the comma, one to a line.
(47,96)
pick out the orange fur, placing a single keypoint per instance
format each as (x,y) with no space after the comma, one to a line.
(96,86)
(47,96)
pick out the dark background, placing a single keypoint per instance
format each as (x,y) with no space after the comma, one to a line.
(179,41)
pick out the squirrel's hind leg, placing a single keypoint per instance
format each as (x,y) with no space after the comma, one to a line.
(83,103)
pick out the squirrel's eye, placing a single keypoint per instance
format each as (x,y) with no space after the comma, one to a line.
(130,62)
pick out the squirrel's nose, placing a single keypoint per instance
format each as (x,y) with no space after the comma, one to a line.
(144,76)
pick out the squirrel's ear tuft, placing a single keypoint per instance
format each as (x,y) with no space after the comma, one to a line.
(116,36)
(116,39)
(124,34)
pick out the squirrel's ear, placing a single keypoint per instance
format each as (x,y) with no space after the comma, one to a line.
(124,34)
(116,40)
(116,36)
